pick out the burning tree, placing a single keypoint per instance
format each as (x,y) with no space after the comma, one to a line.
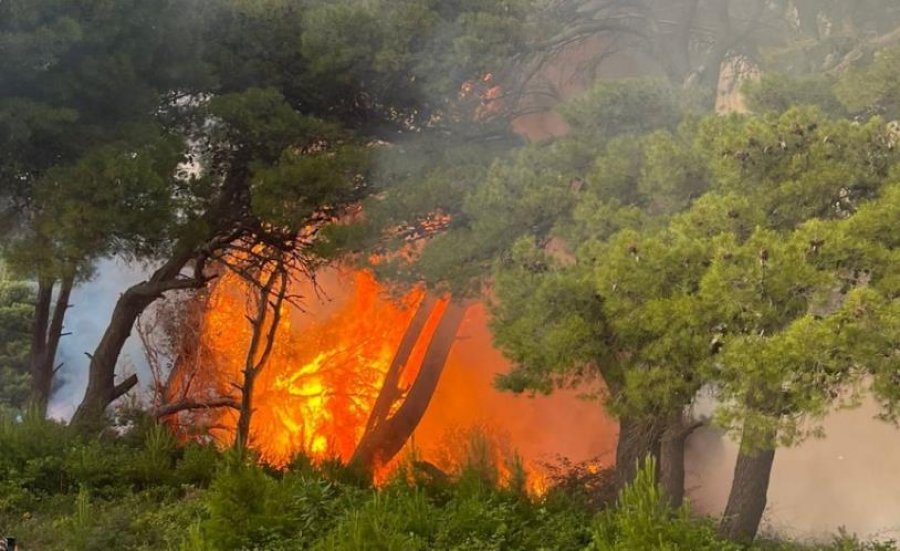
(350,387)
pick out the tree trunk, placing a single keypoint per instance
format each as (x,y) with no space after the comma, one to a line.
(674,49)
(102,389)
(40,381)
(45,336)
(671,458)
(638,438)
(264,337)
(747,500)
(390,391)
(387,439)
(224,217)
(245,413)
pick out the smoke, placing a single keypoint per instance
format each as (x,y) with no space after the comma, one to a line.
(848,479)
(92,305)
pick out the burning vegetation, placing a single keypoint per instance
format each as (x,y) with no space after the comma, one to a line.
(352,372)
(581,218)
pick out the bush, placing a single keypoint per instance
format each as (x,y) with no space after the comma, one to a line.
(643,520)
(32,462)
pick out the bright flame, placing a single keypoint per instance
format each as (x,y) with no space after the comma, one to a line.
(316,391)
(327,367)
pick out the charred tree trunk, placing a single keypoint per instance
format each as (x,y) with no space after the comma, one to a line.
(262,341)
(380,445)
(671,458)
(390,391)
(45,336)
(747,500)
(638,438)
(102,389)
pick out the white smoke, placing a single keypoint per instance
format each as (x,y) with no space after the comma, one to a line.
(849,479)
(92,305)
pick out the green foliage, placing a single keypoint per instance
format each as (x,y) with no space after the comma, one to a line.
(641,520)
(246,507)
(873,89)
(294,189)
(547,319)
(16,307)
(798,164)
(263,123)
(620,107)
(32,460)
(778,92)
(97,504)
(757,287)
(401,54)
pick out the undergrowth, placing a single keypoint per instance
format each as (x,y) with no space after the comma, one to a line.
(139,489)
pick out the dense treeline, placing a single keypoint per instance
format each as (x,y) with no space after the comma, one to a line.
(653,250)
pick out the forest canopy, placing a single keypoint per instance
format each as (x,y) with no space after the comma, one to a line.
(658,203)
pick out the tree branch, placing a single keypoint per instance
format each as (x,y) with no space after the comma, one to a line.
(188,404)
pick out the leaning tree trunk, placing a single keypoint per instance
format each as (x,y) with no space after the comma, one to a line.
(226,224)
(747,500)
(390,390)
(638,439)
(102,389)
(45,336)
(387,438)
(671,458)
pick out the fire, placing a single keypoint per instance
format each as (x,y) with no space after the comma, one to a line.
(316,391)
(332,352)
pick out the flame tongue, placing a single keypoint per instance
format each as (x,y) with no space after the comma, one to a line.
(329,363)
(316,391)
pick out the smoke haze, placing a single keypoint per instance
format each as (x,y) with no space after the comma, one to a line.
(848,479)
(92,305)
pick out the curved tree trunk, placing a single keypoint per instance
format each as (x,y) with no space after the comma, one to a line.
(638,438)
(102,389)
(385,441)
(747,500)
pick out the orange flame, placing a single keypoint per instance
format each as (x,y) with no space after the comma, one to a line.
(316,392)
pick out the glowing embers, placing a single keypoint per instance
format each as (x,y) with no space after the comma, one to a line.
(326,369)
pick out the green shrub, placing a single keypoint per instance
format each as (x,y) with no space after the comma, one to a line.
(389,521)
(643,520)
(246,507)
(154,462)
(94,465)
(198,465)
(32,459)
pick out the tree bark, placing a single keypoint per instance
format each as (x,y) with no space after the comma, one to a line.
(671,458)
(747,500)
(102,389)
(387,439)
(390,390)
(638,438)
(45,336)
